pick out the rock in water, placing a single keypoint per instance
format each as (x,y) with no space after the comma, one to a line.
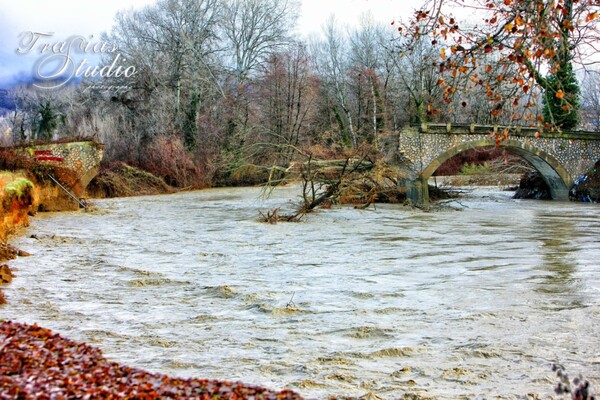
(6,275)
(587,187)
(533,186)
(23,253)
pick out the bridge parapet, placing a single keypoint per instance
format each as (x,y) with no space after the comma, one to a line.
(515,130)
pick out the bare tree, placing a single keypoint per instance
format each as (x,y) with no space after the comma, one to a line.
(173,46)
(331,62)
(288,92)
(590,101)
(418,78)
(367,57)
(40,114)
(256,28)
(173,37)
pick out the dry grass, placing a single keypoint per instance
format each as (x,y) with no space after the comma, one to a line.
(122,180)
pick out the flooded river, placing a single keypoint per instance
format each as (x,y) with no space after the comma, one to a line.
(450,304)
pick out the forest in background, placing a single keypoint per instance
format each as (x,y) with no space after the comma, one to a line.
(227,93)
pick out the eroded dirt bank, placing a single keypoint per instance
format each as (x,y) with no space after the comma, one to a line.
(17,198)
(22,196)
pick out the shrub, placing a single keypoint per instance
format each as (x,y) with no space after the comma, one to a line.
(19,187)
(475,169)
(167,158)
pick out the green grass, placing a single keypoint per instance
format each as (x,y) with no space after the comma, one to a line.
(18,187)
(475,169)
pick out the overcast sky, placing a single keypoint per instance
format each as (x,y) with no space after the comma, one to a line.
(84,17)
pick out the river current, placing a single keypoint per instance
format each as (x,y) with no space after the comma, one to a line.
(392,301)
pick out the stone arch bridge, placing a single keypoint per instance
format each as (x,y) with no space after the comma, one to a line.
(418,152)
(78,162)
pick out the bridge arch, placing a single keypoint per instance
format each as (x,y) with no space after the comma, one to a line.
(554,174)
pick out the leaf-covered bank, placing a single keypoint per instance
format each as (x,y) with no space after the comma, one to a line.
(35,360)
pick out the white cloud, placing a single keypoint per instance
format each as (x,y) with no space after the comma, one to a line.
(348,12)
(66,18)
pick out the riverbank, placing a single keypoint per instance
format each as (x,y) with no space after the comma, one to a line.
(17,200)
(35,360)
(22,195)
(16,203)
(122,180)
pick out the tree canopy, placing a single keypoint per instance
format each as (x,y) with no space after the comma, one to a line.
(513,50)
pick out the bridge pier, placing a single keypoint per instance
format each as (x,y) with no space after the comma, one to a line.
(417,191)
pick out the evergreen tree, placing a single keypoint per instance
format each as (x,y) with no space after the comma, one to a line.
(48,122)
(561,98)
(190,129)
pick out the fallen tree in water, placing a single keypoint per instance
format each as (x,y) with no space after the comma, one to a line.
(329,180)
(357,178)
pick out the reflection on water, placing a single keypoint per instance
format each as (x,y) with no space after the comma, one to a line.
(390,301)
(559,248)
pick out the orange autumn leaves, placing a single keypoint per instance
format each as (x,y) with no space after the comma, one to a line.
(561,95)
(508,54)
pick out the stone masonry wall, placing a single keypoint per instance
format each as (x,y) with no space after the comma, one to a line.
(419,148)
(82,159)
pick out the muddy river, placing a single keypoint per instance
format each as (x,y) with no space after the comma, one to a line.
(469,303)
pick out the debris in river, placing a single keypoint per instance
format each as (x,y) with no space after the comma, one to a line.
(533,186)
(273,216)
(586,188)
(578,388)
(23,253)
(6,274)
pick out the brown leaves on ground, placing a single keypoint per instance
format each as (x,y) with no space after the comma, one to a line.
(36,363)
